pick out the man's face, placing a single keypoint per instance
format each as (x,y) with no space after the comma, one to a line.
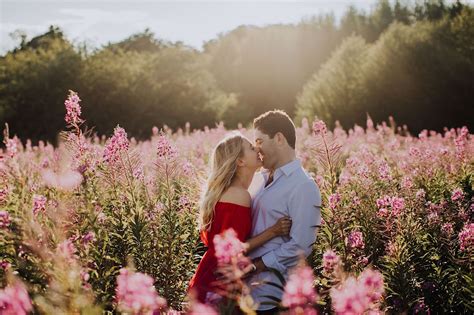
(265,148)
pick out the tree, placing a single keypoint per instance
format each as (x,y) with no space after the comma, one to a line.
(34,80)
(335,91)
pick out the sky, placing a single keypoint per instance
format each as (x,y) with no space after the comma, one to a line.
(98,22)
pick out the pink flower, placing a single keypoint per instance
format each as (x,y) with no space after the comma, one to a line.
(12,146)
(420,194)
(165,149)
(457,194)
(466,237)
(356,296)
(330,261)
(85,276)
(384,171)
(447,228)
(136,294)
(199,308)
(4,219)
(383,212)
(68,180)
(350,298)
(299,289)
(384,201)
(334,200)
(373,283)
(398,204)
(319,127)
(88,238)
(3,195)
(39,204)
(73,109)
(227,246)
(5,265)
(117,144)
(355,240)
(67,249)
(407,183)
(14,300)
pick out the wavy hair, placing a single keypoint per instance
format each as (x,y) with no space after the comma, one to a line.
(223,166)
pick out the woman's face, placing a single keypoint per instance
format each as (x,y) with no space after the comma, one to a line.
(251,158)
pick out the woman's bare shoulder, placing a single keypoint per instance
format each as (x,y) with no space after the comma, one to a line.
(237,195)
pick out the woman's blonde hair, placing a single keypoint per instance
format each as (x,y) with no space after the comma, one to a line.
(223,166)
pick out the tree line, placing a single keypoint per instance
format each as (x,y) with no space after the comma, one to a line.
(411,61)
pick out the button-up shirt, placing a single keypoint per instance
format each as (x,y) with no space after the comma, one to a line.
(292,193)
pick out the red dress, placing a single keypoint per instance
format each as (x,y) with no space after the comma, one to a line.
(226,215)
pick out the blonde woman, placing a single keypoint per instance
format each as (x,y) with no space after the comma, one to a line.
(225,204)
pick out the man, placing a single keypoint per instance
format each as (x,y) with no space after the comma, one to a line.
(282,189)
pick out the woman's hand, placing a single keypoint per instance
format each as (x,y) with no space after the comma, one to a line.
(282,227)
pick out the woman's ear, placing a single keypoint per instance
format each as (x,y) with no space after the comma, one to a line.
(240,162)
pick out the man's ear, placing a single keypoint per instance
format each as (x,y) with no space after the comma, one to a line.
(280,138)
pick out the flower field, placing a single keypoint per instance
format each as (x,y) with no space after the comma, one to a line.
(109,224)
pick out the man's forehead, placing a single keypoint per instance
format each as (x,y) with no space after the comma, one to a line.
(259,135)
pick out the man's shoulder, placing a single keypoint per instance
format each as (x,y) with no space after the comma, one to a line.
(303,177)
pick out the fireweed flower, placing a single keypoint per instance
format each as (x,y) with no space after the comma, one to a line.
(299,289)
(68,180)
(87,238)
(356,296)
(330,261)
(447,228)
(334,200)
(384,171)
(355,240)
(397,204)
(73,109)
(3,195)
(420,194)
(350,298)
(67,250)
(39,204)
(372,281)
(165,150)
(5,265)
(466,237)
(135,293)
(117,144)
(457,195)
(319,127)
(227,245)
(4,219)
(14,300)
(12,146)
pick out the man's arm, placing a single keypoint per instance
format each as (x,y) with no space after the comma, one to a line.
(304,209)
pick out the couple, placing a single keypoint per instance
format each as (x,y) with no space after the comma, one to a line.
(276,219)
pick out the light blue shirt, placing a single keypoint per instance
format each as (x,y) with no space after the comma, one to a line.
(292,193)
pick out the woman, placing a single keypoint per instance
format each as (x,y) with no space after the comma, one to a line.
(225,204)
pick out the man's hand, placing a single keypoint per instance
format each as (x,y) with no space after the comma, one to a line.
(258,262)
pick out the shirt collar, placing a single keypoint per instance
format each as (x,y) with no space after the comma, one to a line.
(289,167)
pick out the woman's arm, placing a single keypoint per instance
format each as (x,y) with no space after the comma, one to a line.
(280,228)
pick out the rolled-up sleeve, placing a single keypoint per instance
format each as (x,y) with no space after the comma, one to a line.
(305,212)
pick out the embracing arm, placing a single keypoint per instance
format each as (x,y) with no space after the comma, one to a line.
(305,211)
(280,228)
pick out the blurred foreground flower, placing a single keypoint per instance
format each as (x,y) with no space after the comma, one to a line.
(14,300)
(299,294)
(136,294)
(356,296)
